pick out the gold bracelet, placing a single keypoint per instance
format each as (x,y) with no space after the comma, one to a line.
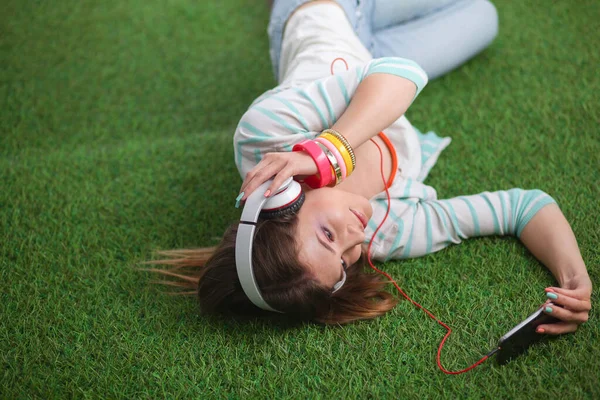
(345,142)
(333,161)
(337,143)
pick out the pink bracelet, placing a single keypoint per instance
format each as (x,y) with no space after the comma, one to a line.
(336,154)
(324,176)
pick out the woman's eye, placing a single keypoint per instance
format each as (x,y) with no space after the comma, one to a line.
(328,234)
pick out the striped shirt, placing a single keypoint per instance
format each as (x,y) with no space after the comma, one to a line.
(418,222)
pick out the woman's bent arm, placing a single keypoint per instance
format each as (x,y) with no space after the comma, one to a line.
(389,87)
(359,103)
(378,101)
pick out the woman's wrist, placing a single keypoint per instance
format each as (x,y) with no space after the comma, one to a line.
(576,280)
(342,146)
(325,174)
(571,272)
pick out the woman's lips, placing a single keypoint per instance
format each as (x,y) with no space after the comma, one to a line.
(361,217)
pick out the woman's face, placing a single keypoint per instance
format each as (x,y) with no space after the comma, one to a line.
(331,228)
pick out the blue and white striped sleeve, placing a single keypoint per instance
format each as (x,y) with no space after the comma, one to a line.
(278,120)
(401,67)
(431,225)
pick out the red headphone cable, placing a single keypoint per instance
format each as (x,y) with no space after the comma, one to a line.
(439,352)
(392,281)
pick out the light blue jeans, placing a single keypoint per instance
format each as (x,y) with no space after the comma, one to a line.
(439,35)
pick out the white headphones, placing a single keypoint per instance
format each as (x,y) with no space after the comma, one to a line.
(288,198)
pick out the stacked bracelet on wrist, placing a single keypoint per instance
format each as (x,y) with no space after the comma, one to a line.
(324,175)
(337,171)
(336,154)
(342,145)
(333,157)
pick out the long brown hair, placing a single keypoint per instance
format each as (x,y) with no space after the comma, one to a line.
(286,285)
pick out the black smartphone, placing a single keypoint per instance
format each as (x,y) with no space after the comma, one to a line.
(519,338)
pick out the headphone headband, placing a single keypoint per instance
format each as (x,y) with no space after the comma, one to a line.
(287,195)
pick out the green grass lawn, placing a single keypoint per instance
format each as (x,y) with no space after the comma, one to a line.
(116,121)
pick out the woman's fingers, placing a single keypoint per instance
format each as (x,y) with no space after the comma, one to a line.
(573,299)
(255,182)
(284,174)
(566,315)
(557,329)
(278,170)
(578,293)
(571,306)
(568,302)
(254,172)
(259,177)
(279,166)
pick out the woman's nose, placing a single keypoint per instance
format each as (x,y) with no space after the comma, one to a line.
(356,235)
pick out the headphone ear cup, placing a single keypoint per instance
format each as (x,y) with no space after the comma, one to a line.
(286,211)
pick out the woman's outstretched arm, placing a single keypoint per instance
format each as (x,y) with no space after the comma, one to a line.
(426,226)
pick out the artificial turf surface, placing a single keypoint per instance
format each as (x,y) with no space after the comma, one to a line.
(116,120)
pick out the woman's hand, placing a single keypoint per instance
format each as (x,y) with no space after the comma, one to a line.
(574,301)
(278,166)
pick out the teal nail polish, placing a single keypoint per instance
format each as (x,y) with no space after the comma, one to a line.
(238,199)
(548,310)
(552,296)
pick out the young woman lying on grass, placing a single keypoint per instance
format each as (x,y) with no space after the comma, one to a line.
(310,264)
